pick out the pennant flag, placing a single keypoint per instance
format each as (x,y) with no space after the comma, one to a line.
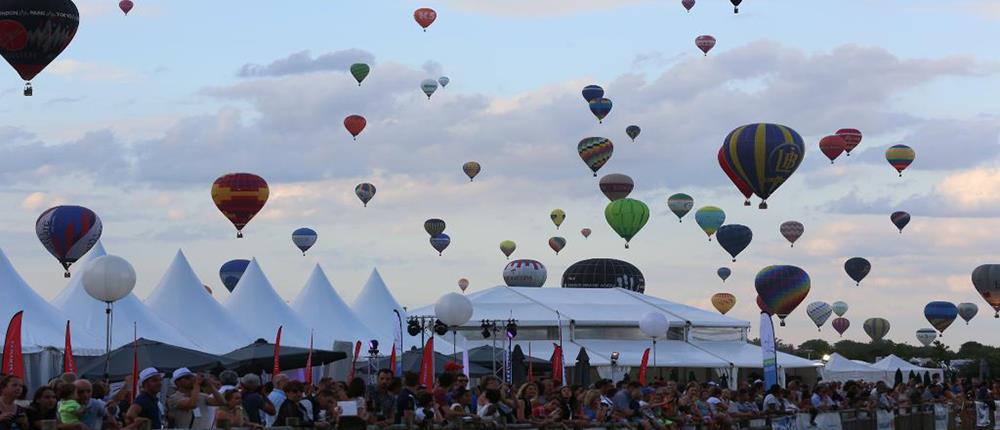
(135,361)
(276,369)
(309,362)
(354,361)
(557,364)
(642,368)
(69,365)
(13,361)
(427,365)
(392,360)
(531,372)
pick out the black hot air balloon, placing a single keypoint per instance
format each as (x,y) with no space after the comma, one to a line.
(35,32)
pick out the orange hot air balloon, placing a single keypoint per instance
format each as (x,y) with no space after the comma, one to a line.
(355,124)
(425,16)
(723,302)
(239,196)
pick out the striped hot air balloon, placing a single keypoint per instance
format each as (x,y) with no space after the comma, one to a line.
(764,156)
(782,288)
(240,196)
(900,157)
(792,231)
(68,232)
(876,328)
(841,325)
(852,138)
(595,152)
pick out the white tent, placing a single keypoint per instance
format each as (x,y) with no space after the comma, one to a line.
(260,310)
(839,368)
(892,362)
(324,311)
(180,299)
(375,306)
(748,355)
(88,314)
(42,325)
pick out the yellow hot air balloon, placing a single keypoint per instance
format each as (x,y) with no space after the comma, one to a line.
(723,302)
(558,216)
(507,247)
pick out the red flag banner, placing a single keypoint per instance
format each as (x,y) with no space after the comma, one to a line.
(135,362)
(354,361)
(557,364)
(309,362)
(13,361)
(276,369)
(392,360)
(427,365)
(69,365)
(531,371)
(642,368)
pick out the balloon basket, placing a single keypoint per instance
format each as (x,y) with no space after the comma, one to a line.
(66,274)
(239,234)
(762,205)
(746,203)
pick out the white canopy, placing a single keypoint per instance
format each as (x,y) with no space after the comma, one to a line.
(839,368)
(892,362)
(669,353)
(87,314)
(375,306)
(42,325)
(324,311)
(748,355)
(260,310)
(180,299)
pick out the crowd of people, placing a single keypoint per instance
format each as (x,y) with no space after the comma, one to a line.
(185,399)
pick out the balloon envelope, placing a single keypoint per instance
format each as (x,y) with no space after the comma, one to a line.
(592,92)
(429,86)
(741,185)
(764,156)
(792,231)
(839,308)
(304,238)
(900,219)
(434,226)
(444,81)
(35,32)
(471,169)
(600,108)
(557,216)
(626,217)
(633,131)
(926,336)
(986,279)
(832,146)
(507,247)
(231,272)
(240,196)
(724,273)
(852,138)
(723,302)
(876,328)
(705,43)
(940,314)
(126,6)
(688,4)
(463,284)
(585,232)
(840,325)
(439,242)
(900,157)
(782,288)
(68,232)
(734,238)
(557,244)
(616,186)
(360,71)
(710,218)
(355,124)
(857,268)
(109,278)
(365,192)
(424,16)
(819,312)
(967,311)
(595,152)
(680,204)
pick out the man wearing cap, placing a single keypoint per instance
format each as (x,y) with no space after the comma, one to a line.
(188,407)
(145,406)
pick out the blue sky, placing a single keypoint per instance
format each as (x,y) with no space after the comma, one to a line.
(141,113)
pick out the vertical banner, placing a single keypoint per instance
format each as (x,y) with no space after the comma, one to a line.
(642,367)
(354,361)
(557,364)
(767,348)
(531,370)
(392,360)
(13,361)
(508,367)
(69,365)
(276,368)
(397,369)
(427,365)
(309,362)
(135,362)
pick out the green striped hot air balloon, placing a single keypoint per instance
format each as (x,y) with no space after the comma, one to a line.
(626,217)
(360,71)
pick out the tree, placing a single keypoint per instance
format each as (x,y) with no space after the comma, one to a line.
(814,348)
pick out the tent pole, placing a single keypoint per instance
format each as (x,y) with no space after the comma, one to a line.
(107,340)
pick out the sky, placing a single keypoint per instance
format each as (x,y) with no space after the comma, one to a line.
(141,113)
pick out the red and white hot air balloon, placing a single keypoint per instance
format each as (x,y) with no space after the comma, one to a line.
(705,43)
(425,16)
(852,136)
(126,6)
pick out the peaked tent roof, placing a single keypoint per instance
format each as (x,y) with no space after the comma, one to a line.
(839,368)
(180,299)
(260,310)
(322,309)
(375,305)
(892,362)
(42,326)
(87,313)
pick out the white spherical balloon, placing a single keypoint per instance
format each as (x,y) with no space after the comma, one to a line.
(654,325)
(109,278)
(453,309)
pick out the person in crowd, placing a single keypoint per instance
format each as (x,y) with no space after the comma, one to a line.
(276,396)
(12,416)
(406,401)
(460,408)
(43,408)
(228,380)
(232,414)
(425,413)
(146,407)
(69,408)
(381,401)
(442,392)
(526,398)
(291,413)
(95,412)
(188,406)
(256,405)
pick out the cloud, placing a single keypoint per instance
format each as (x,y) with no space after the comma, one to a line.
(538,8)
(38,200)
(97,154)
(965,193)
(90,71)
(303,62)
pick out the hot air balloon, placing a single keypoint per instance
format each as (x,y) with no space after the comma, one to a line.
(857,268)
(710,218)
(819,312)
(557,216)
(471,169)
(832,146)
(592,92)
(126,6)
(585,232)
(926,336)
(35,32)
(633,131)
(68,232)
(429,86)
(900,219)
(595,152)
(839,308)
(600,108)
(792,231)
(365,192)
(900,157)
(439,242)
(231,272)
(304,238)
(763,306)
(840,325)
(876,328)
(616,186)
(680,204)
(208,289)
(967,311)
(739,183)
(434,226)
(852,137)
(360,71)
(239,196)
(723,302)
(986,279)
(764,156)
(736,5)
(734,238)
(524,273)
(626,217)
(425,16)
(705,43)
(557,243)
(782,288)
(507,247)
(940,314)
(724,273)
(355,124)
(463,284)
(444,81)
(688,4)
